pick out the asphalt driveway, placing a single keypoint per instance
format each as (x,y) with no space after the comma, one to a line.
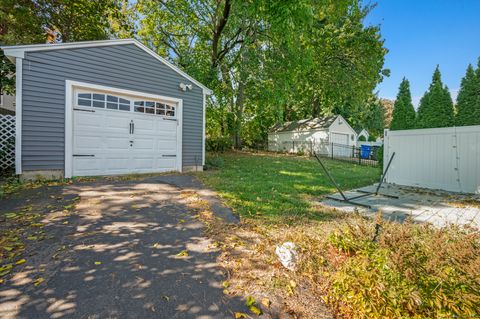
(128,249)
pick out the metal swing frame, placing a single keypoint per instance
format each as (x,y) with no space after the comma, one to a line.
(350,200)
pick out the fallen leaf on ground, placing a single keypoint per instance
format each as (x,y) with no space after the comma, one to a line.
(98,263)
(239,315)
(5,269)
(183,253)
(255,310)
(266,302)
(38,281)
(250,301)
(21,261)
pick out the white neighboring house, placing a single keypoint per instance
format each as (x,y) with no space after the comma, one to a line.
(7,104)
(321,135)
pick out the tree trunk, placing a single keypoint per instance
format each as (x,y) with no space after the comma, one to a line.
(239,114)
(315,107)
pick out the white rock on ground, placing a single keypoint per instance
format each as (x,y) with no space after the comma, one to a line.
(288,255)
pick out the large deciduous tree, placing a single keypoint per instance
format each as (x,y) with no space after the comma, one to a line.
(468,100)
(403,117)
(40,21)
(436,106)
(269,61)
(374,118)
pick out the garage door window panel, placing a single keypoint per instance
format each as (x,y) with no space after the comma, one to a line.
(154,108)
(170,110)
(124,104)
(98,100)
(160,109)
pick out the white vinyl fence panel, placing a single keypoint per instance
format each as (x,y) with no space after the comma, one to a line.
(439,158)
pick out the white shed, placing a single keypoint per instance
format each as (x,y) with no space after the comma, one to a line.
(313,135)
(362,132)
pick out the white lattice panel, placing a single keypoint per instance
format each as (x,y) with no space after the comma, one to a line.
(7,142)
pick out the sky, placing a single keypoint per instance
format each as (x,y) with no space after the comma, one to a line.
(421,34)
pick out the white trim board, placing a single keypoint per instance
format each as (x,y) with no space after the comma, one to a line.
(19,52)
(69,102)
(18,115)
(203,129)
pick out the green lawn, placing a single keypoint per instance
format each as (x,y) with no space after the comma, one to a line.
(268,185)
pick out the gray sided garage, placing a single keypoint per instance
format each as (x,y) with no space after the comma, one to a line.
(105,108)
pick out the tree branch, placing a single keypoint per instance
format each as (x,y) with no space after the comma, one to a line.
(219,27)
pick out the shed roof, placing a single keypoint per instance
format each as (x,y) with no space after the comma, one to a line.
(305,124)
(358,130)
(18,51)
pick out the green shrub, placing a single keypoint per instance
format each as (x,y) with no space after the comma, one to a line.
(5,151)
(214,162)
(379,156)
(371,138)
(218,144)
(413,271)
(362,138)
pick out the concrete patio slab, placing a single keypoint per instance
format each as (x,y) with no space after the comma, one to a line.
(421,205)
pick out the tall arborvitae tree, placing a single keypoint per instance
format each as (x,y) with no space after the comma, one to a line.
(436,106)
(468,100)
(403,117)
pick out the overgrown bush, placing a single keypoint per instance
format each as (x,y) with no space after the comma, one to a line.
(362,138)
(372,138)
(412,271)
(218,144)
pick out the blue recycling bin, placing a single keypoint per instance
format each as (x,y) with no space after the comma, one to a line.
(365,151)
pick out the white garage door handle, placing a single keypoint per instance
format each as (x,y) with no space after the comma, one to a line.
(132,127)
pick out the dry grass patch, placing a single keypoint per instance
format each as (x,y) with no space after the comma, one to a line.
(352,267)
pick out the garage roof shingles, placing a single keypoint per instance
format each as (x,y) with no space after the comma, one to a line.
(305,124)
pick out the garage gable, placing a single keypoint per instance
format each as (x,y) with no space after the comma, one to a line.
(341,132)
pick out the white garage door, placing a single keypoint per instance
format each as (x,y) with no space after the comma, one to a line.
(340,145)
(115,134)
(339,138)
